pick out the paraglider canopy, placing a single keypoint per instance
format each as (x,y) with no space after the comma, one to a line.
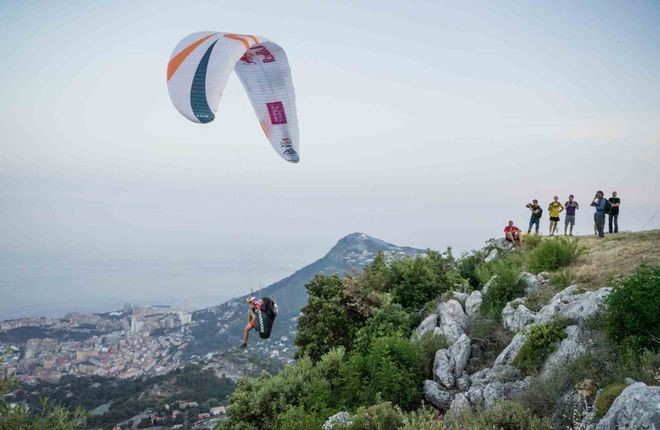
(200,66)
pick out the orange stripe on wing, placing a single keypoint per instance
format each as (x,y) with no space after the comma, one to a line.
(179,58)
(239,38)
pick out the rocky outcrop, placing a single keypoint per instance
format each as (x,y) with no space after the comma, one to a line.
(473,304)
(460,403)
(516,316)
(532,283)
(571,304)
(461,297)
(511,351)
(427,325)
(340,419)
(449,364)
(577,342)
(453,320)
(637,407)
(437,395)
(491,385)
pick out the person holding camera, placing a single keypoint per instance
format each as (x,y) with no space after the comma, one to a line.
(535,218)
(601,204)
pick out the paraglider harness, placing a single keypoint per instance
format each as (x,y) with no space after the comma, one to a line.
(265,317)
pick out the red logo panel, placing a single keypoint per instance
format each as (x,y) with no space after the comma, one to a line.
(276,112)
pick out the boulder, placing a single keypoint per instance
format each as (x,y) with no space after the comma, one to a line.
(428,324)
(443,368)
(491,256)
(516,316)
(338,419)
(532,284)
(437,396)
(463,382)
(637,407)
(460,403)
(484,290)
(570,304)
(503,244)
(511,351)
(576,343)
(453,320)
(461,297)
(473,304)
(491,385)
(459,354)
(543,277)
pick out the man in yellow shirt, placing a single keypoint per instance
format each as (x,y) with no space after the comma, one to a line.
(555,208)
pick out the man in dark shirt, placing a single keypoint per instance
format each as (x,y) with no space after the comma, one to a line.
(615,202)
(535,219)
(599,215)
(571,205)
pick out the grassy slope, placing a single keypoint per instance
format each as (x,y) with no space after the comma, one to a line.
(615,255)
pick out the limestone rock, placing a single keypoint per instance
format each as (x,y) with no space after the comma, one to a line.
(532,284)
(427,325)
(463,382)
(460,403)
(340,418)
(443,368)
(511,351)
(516,316)
(570,304)
(489,386)
(637,407)
(453,320)
(459,354)
(488,284)
(473,304)
(437,396)
(461,297)
(576,343)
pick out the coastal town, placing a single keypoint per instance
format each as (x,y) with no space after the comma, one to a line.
(134,341)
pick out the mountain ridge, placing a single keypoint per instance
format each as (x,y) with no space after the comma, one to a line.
(219,328)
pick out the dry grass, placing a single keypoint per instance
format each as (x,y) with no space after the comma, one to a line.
(613,256)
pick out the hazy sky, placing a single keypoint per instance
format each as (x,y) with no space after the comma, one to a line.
(422,123)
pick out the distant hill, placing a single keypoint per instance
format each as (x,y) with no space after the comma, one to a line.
(220,328)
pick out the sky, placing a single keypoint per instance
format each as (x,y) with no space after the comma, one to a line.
(423,123)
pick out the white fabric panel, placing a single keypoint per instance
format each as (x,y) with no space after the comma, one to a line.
(266,77)
(180,83)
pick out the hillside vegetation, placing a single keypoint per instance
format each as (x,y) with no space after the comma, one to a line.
(546,336)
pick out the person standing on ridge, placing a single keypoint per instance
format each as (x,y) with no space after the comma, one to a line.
(555,209)
(615,202)
(571,205)
(255,304)
(535,218)
(600,203)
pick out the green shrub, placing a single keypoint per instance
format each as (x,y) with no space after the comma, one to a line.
(531,241)
(296,418)
(415,281)
(390,320)
(505,287)
(542,339)
(381,416)
(492,338)
(425,418)
(429,343)
(551,254)
(562,278)
(607,397)
(467,267)
(505,415)
(391,370)
(632,317)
